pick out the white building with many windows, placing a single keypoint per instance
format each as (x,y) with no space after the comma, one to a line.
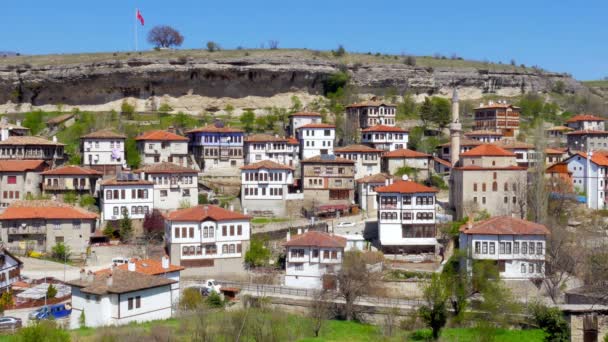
(299,119)
(217,147)
(259,147)
(316,139)
(586,122)
(313,259)
(367,159)
(162,147)
(207,236)
(174,186)
(406,217)
(386,138)
(589,174)
(366,194)
(103,149)
(516,246)
(126,193)
(267,187)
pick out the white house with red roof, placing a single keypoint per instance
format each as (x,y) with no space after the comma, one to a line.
(313,259)
(103,149)
(367,159)
(516,246)
(299,119)
(589,175)
(126,193)
(207,236)
(407,217)
(282,150)
(316,139)
(485,136)
(488,178)
(422,163)
(386,138)
(40,225)
(366,194)
(81,180)
(586,122)
(372,112)
(217,147)
(175,186)
(267,189)
(163,146)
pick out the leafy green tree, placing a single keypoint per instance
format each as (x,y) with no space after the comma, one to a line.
(109,230)
(34,121)
(191,299)
(203,199)
(213,46)
(407,109)
(51,291)
(441,112)
(214,300)
(335,83)
(165,108)
(127,109)
(60,251)
(86,201)
(6,300)
(257,254)
(426,111)
(133,158)
(82,320)
(434,313)
(411,172)
(75,158)
(340,51)
(552,322)
(126,227)
(296,104)
(247,120)
(70,197)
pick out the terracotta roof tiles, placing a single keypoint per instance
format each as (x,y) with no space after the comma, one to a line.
(370,103)
(405,187)
(165,167)
(317,125)
(160,136)
(384,128)
(203,213)
(122,282)
(316,239)
(487,150)
(505,225)
(327,159)
(405,153)
(145,266)
(584,117)
(215,129)
(266,164)
(356,148)
(72,170)
(377,178)
(588,132)
(21,165)
(29,140)
(43,209)
(265,138)
(104,134)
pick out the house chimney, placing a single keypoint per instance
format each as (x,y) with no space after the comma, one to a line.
(299,231)
(469,224)
(83,275)
(131,266)
(165,262)
(90,277)
(18,122)
(288,237)
(305,230)
(386,181)
(142,176)
(109,281)
(54,138)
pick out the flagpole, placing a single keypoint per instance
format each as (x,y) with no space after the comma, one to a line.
(135,29)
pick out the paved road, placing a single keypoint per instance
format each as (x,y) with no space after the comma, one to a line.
(37,268)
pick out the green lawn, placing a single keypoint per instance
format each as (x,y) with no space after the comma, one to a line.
(598,83)
(266,220)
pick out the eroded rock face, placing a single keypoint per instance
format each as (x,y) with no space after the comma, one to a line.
(143,78)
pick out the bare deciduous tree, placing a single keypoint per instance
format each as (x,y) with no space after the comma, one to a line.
(163,36)
(560,261)
(320,310)
(273,44)
(354,280)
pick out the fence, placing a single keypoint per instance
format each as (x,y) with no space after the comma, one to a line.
(264,290)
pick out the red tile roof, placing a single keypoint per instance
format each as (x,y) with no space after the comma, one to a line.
(72,170)
(114,181)
(104,134)
(384,128)
(597,158)
(584,117)
(215,129)
(165,167)
(483,132)
(370,103)
(266,164)
(315,114)
(29,140)
(145,266)
(377,178)
(21,165)
(22,210)
(316,239)
(356,149)
(559,128)
(588,132)
(487,150)
(122,282)
(160,135)
(550,150)
(561,168)
(205,212)
(496,105)
(513,144)
(328,159)
(265,138)
(442,162)
(317,125)
(405,187)
(490,168)
(405,153)
(292,141)
(505,225)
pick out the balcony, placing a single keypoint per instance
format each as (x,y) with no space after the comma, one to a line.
(389,206)
(27,230)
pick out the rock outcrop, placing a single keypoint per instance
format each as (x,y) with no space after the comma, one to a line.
(144,79)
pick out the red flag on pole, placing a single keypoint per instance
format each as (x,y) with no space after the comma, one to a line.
(140,18)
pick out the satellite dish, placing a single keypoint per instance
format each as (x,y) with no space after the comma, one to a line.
(405,177)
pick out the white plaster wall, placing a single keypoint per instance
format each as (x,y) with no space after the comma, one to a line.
(102,148)
(155,305)
(129,202)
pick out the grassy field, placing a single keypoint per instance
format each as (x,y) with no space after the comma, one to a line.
(350,58)
(332,331)
(597,84)
(265,220)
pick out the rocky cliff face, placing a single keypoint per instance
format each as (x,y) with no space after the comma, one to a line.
(193,83)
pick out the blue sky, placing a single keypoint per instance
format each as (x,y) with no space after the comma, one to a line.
(552,34)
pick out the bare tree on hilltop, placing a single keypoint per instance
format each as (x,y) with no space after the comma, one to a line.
(165,36)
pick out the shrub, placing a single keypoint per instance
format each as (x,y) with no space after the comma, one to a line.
(214,300)
(213,46)
(51,291)
(165,108)
(257,254)
(191,299)
(42,331)
(109,230)
(70,197)
(6,300)
(126,228)
(86,201)
(203,199)
(127,109)
(552,321)
(60,251)
(82,320)
(339,52)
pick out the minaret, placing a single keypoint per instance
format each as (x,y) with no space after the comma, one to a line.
(455,129)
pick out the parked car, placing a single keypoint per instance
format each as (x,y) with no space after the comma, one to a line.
(345,225)
(10,323)
(51,311)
